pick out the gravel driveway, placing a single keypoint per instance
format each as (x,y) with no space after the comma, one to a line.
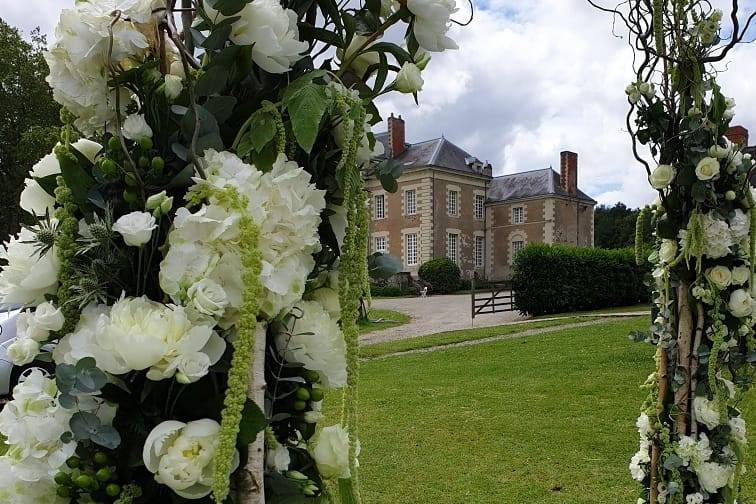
(432,315)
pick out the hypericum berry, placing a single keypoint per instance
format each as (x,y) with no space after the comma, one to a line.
(62,478)
(144,162)
(131,180)
(73,462)
(63,492)
(316,395)
(84,481)
(101,458)
(129,196)
(113,490)
(158,164)
(114,143)
(145,143)
(300,405)
(103,474)
(311,376)
(303,394)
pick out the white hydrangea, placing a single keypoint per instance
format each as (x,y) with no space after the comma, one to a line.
(78,58)
(312,338)
(644,426)
(137,334)
(27,278)
(738,430)
(694,452)
(717,237)
(640,460)
(286,207)
(14,490)
(706,412)
(714,476)
(270,29)
(740,224)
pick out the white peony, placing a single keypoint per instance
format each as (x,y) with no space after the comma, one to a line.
(136,228)
(714,476)
(23,351)
(312,338)
(706,412)
(330,450)
(173,86)
(662,176)
(431,22)
(409,79)
(14,490)
(27,278)
(135,127)
(720,276)
(741,303)
(272,32)
(180,455)
(740,274)
(278,458)
(208,298)
(137,334)
(668,251)
(707,169)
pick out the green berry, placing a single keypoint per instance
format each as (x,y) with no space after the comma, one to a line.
(103,474)
(316,395)
(145,143)
(101,458)
(300,405)
(108,167)
(73,462)
(130,196)
(62,478)
(131,180)
(144,162)
(63,492)
(303,394)
(158,164)
(114,143)
(113,490)
(311,376)
(84,481)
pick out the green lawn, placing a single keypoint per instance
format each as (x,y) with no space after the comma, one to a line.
(643,307)
(544,419)
(382,319)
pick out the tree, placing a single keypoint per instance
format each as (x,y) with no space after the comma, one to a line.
(615,226)
(28,114)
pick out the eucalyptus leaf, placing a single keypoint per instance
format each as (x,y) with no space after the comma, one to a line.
(213,81)
(228,7)
(221,107)
(217,38)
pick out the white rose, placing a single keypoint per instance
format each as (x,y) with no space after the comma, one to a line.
(26,277)
(361,63)
(135,127)
(719,152)
(278,458)
(707,412)
(720,276)
(409,79)
(23,351)
(432,22)
(173,86)
(740,274)
(707,169)
(668,251)
(662,176)
(47,317)
(180,455)
(272,32)
(741,303)
(330,450)
(207,298)
(136,228)
(191,367)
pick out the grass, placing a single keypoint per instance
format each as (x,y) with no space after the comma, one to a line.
(388,318)
(615,309)
(450,337)
(547,419)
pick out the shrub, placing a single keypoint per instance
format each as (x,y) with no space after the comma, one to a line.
(554,279)
(442,274)
(388,291)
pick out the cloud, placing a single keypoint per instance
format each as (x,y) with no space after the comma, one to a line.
(530,79)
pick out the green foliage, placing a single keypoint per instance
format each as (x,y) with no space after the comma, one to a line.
(555,279)
(388,291)
(443,275)
(383,266)
(614,227)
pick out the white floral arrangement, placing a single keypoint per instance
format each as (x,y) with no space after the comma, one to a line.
(193,276)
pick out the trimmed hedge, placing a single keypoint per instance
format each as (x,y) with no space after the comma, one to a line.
(388,291)
(557,278)
(442,274)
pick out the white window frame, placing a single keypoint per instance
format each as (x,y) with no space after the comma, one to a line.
(518,215)
(411,254)
(379,211)
(380,244)
(480,251)
(479,203)
(517,245)
(452,247)
(452,203)
(410,202)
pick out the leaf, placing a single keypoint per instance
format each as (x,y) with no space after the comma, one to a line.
(107,436)
(182,178)
(252,423)
(228,7)
(87,426)
(209,141)
(306,108)
(207,122)
(400,54)
(262,129)
(217,38)
(221,107)
(77,179)
(213,81)
(95,197)
(382,266)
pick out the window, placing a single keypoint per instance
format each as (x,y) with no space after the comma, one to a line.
(380,244)
(410,249)
(518,215)
(410,202)
(517,245)
(479,203)
(480,247)
(379,206)
(452,247)
(452,203)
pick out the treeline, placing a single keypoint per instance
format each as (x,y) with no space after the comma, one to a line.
(614,227)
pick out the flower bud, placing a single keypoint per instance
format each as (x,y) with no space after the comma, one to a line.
(408,79)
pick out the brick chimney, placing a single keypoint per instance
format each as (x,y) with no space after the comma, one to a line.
(737,135)
(396,140)
(568,175)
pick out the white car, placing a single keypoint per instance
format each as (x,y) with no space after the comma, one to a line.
(10,374)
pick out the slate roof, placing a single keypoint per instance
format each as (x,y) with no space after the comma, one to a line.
(530,184)
(438,152)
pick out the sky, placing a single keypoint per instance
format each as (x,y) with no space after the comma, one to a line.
(531,79)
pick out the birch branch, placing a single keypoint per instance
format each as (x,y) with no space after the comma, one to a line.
(694,365)
(684,344)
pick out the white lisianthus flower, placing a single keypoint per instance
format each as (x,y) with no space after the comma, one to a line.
(135,127)
(740,274)
(337,217)
(422,58)
(315,415)
(180,455)
(26,277)
(721,276)
(137,334)
(314,339)
(707,169)
(160,200)
(330,450)
(135,228)
(668,251)
(409,79)
(272,32)
(662,176)
(707,412)
(23,351)
(740,224)
(173,86)
(694,452)
(208,298)
(361,63)
(714,476)
(740,304)
(278,458)
(432,22)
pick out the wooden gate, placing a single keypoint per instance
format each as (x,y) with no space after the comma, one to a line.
(496,298)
